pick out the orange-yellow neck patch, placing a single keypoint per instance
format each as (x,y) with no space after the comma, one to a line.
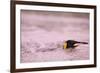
(65,45)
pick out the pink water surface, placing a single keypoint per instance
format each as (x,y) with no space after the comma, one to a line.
(43,34)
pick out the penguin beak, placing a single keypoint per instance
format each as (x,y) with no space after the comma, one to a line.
(75,45)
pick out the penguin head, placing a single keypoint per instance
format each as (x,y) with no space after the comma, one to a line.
(71,43)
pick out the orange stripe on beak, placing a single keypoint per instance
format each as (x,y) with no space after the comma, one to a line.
(75,45)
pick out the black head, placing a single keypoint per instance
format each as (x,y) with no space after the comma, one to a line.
(71,44)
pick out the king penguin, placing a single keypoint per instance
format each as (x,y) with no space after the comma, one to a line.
(71,44)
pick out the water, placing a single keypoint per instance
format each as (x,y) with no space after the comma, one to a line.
(43,34)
